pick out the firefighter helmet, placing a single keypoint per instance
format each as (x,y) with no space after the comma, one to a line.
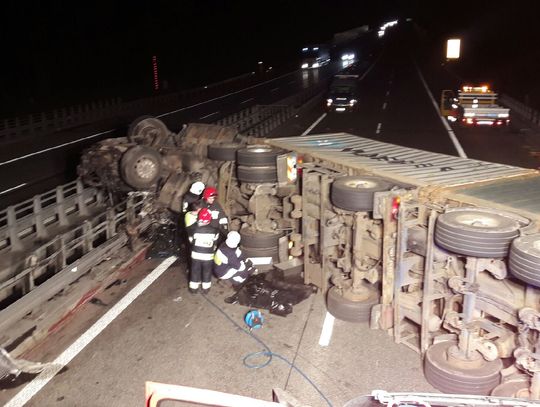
(197,188)
(204,216)
(209,192)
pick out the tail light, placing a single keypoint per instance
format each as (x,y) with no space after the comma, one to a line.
(395,207)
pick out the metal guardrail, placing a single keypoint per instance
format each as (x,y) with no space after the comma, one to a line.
(260,120)
(42,271)
(61,119)
(521,109)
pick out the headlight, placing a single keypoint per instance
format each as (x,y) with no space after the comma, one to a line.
(344,57)
(352,102)
(315,65)
(503,115)
(305,66)
(454,106)
(329,102)
(352,56)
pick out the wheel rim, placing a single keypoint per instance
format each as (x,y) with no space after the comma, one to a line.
(361,184)
(145,168)
(260,149)
(476,220)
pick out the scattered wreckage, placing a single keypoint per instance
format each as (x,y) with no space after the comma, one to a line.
(441,252)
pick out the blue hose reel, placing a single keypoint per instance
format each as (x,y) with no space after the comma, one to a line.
(254,319)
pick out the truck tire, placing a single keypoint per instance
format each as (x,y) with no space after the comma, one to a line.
(355,193)
(254,175)
(258,155)
(476,233)
(140,167)
(451,378)
(524,259)
(251,252)
(147,130)
(223,151)
(259,240)
(347,310)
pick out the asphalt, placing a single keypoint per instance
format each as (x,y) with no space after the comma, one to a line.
(168,335)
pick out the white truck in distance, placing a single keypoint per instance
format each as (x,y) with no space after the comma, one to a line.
(474,105)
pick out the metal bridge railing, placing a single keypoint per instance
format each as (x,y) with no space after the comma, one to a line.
(524,111)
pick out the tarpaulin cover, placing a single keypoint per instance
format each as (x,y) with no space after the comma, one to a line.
(270,291)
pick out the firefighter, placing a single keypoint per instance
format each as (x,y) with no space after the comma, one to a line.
(229,262)
(202,237)
(194,194)
(191,216)
(219,218)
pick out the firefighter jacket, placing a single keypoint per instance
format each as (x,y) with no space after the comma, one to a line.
(219,219)
(228,258)
(203,239)
(188,199)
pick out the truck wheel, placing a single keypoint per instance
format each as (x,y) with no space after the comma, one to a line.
(255,175)
(265,253)
(223,151)
(140,167)
(259,240)
(524,259)
(517,388)
(476,233)
(355,193)
(347,310)
(147,130)
(258,155)
(449,377)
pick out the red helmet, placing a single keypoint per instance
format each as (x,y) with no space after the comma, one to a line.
(204,216)
(209,192)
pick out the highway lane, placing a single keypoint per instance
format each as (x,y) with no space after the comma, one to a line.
(32,168)
(399,104)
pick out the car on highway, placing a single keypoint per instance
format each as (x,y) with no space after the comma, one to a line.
(342,95)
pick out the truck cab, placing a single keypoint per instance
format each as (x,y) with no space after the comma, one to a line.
(314,56)
(473,105)
(342,95)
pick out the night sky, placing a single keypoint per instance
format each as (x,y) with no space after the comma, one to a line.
(57,53)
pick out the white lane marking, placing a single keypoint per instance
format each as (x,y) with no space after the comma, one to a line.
(158,116)
(326,332)
(54,148)
(12,188)
(384,105)
(387,93)
(273,90)
(316,122)
(451,133)
(378,128)
(208,115)
(228,94)
(247,100)
(32,388)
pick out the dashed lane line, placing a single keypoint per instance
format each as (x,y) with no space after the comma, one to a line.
(379,125)
(315,123)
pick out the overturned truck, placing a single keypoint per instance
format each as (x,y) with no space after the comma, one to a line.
(441,252)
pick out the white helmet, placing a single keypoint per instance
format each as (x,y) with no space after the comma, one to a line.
(197,188)
(233,239)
